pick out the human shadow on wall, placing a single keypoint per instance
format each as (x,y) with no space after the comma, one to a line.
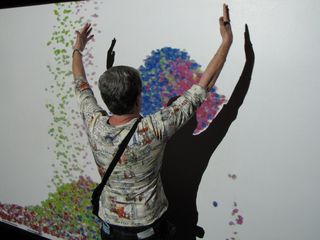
(187,156)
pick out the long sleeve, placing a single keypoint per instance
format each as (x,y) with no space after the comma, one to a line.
(89,108)
(168,120)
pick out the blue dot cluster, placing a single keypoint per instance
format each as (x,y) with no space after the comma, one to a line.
(158,64)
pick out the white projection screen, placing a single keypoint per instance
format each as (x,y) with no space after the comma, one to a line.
(262,180)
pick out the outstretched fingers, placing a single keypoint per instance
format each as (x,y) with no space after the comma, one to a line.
(226,15)
(83,36)
(221,21)
(86,31)
(89,31)
(85,28)
(90,37)
(225,26)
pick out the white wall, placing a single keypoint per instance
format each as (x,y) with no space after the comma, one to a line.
(272,147)
(25,160)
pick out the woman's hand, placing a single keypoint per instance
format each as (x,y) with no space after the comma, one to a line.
(83,37)
(225,27)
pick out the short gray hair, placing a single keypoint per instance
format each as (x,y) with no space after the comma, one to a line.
(119,87)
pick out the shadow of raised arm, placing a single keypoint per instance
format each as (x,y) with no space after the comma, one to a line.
(111,54)
(220,125)
(186,156)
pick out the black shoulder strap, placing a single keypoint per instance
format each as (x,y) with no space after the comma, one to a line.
(121,149)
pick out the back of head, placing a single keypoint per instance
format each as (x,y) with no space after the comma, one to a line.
(119,87)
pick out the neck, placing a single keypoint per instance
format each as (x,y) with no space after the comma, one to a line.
(122,119)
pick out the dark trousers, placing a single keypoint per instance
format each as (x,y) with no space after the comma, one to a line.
(162,229)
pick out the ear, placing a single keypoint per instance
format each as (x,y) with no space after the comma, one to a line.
(138,100)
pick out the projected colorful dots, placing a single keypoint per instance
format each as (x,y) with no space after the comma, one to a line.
(235,221)
(65,214)
(168,72)
(66,128)
(236,218)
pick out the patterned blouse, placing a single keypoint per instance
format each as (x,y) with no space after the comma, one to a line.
(133,195)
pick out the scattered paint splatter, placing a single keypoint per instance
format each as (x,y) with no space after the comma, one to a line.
(231,223)
(168,72)
(239,220)
(66,127)
(235,211)
(236,219)
(65,214)
(232,176)
(215,204)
